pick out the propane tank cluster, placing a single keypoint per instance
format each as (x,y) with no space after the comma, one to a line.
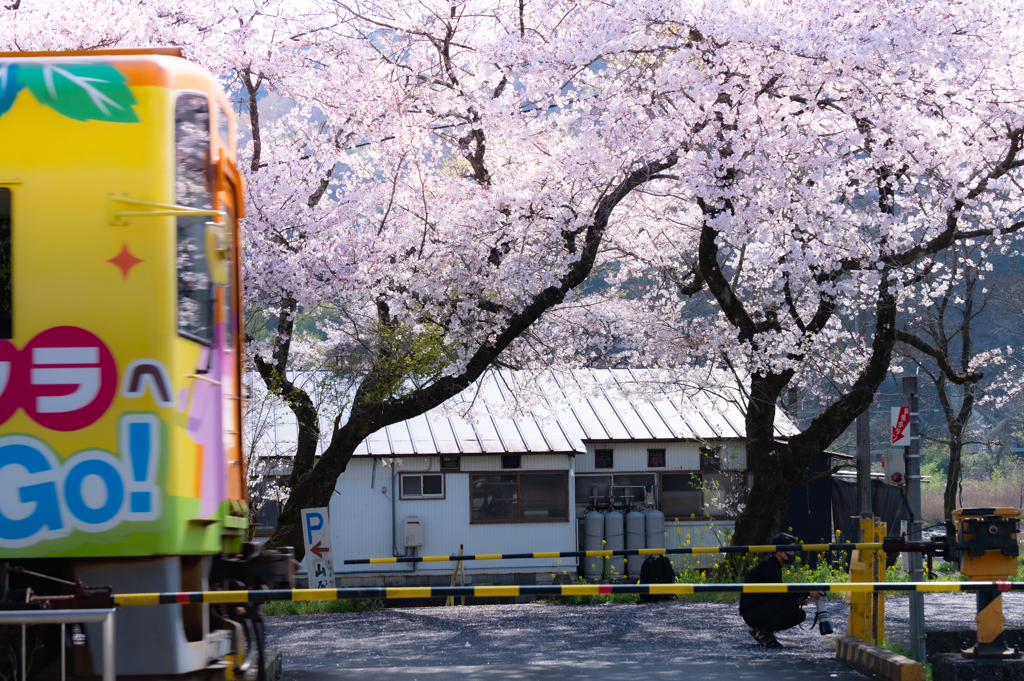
(617,522)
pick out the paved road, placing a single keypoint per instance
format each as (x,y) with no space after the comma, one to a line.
(705,641)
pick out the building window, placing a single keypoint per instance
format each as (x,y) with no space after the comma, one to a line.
(519,497)
(422,486)
(722,491)
(711,458)
(700,494)
(449,463)
(621,485)
(681,495)
(604,458)
(655,458)
(511,460)
(592,489)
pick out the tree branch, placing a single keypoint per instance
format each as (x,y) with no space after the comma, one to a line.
(940,358)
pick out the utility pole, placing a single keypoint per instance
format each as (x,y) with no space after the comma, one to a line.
(912,456)
(865,506)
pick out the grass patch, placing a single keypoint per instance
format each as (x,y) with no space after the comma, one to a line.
(899,649)
(708,576)
(316,607)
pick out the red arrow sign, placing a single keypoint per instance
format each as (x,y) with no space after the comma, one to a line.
(900,423)
(319,550)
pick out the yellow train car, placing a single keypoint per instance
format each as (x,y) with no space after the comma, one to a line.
(120,410)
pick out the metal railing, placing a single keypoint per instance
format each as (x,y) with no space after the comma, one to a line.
(64,617)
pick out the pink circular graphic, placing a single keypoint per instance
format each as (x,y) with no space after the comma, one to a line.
(11,380)
(69,378)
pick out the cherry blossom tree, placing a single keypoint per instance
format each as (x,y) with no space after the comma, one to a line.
(447,176)
(835,152)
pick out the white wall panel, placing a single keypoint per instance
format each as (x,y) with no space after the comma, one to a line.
(684,534)
(530,462)
(631,457)
(361,517)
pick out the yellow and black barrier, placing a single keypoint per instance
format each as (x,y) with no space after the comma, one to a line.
(258,596)
(765,548)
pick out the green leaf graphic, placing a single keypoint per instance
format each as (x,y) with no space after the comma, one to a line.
(82,91)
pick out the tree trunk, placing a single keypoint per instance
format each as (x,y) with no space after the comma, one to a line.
(779,470)
(315,488)
(953,473)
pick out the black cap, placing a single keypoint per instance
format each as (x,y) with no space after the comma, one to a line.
(783,539)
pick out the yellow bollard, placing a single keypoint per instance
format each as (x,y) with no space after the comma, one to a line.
(867,610)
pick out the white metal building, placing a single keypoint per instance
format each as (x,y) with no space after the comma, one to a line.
(512,464)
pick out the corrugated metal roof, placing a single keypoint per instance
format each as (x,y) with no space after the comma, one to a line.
(519,412)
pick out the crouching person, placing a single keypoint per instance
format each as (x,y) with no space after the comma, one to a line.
(768,613)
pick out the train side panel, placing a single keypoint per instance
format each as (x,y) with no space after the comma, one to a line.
(118,425)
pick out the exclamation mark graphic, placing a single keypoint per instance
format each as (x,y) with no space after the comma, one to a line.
(139,446)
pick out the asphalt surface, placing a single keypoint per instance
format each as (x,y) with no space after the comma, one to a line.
(547,642)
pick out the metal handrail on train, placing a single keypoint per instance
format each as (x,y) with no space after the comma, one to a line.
(63,617)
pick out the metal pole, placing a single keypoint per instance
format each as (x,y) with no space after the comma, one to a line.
(63,650)
(108,647)
(912,455)
(864,495)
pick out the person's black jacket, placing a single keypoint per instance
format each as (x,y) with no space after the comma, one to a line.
(768,571)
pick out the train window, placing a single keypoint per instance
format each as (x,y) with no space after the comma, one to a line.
(192,187)
(6,272)
(223,126)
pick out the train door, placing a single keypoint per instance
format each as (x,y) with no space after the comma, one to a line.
(228,198)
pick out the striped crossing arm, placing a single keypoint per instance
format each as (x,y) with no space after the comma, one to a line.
(540,590)
(760,548)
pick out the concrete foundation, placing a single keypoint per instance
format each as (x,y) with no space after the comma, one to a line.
(953,667)
(954,641)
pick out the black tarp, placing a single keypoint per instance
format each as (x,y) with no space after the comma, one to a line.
(809,516)
(887,502)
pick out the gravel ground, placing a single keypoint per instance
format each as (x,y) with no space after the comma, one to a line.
(546,641)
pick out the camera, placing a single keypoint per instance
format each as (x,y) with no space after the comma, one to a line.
(822,617)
